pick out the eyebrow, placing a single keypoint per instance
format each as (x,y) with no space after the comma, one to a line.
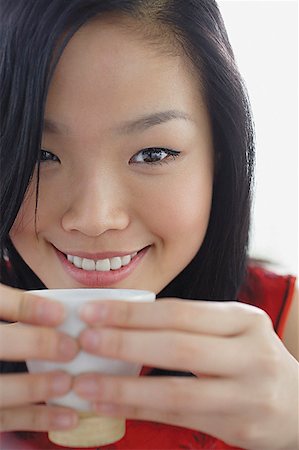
(133,126)
(145,122)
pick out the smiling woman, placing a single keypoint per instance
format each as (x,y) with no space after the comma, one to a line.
(132,167)
(107,145)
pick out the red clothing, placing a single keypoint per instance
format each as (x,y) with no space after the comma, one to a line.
(266,290)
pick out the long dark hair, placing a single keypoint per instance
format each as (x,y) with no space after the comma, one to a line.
(33,34)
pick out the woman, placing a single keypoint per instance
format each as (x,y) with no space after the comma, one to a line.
(127,154)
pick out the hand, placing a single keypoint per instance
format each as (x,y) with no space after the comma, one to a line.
(246,389)
(19,393)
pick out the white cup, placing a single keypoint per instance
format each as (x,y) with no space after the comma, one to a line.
(73,300)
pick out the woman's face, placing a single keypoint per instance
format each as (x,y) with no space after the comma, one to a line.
(127,166)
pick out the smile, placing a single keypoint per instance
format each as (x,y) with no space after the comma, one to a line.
(101,265)
(100,272)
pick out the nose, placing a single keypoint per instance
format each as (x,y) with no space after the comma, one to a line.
(97,204)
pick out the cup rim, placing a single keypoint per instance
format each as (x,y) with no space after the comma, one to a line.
(128,293)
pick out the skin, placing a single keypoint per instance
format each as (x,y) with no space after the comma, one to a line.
(94,201)
(245,375)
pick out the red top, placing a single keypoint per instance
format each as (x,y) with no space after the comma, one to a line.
(271,292)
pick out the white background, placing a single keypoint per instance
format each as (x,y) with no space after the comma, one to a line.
(264,37)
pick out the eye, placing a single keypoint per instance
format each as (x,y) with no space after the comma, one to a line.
(154,155)
(46,156)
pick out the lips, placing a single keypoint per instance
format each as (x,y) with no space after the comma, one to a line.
(100,279)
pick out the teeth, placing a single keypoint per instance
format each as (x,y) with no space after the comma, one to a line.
(101,265)
(88,264)
(115,263)
(77,262)
(70,258)
(125,260)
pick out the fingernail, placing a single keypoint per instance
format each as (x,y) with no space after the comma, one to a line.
(61,383)
(68,348)
(94,312)
(64,420)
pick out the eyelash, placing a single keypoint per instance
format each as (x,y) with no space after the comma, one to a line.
(158,150)
(45,154)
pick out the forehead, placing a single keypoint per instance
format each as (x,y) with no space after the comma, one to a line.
(110,70)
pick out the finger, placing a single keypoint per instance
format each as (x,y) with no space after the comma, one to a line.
(21,389)
(204,354)
(148,414)
(217,318)
(217,425)
(33,342)
(37,418)
(20,306)
(164,394)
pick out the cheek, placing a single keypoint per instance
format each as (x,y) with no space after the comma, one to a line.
(179,218)
(47,206)
(25,219)
(22,233)
(181,207)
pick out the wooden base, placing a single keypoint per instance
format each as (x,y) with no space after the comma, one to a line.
(92,431)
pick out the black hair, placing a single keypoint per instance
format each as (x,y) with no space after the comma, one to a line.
(33,34)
